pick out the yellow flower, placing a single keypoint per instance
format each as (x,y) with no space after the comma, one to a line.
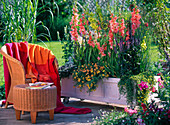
(107,75)
(143,45)
(98,71)
(78,79)
(82,81)
(88,79)
(88,86)
(94,26)
(79,86)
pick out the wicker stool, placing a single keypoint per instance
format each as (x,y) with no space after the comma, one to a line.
(34,100)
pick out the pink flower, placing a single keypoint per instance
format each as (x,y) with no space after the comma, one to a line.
(161,85)
(130,111)
(160,80)
(153,89)
(159,74)
(114,26)
(109,54)
(143,85)
(126,109)
(98,58)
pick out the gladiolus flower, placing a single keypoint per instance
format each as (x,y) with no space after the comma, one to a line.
(135,20)
(121,28)
(81,25)
(74,24)
(90,42)
(114,26)
(127,35)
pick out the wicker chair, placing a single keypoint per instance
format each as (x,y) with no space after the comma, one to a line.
(17,73)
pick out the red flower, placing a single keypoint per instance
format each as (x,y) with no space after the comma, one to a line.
(168,113)
(121,28)
(146,24)
(90,42)
(144,107)
(127,35)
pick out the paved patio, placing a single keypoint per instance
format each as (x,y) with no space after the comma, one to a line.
(7,116)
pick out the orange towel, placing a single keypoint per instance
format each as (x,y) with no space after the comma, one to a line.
(41,65)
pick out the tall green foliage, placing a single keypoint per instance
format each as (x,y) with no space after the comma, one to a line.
(19,21)
(156,13)
(62,10)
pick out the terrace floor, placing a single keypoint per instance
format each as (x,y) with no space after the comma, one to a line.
(7,116)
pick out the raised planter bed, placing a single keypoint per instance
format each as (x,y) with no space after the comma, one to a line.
(107,92)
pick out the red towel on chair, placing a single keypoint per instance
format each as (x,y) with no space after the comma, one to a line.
(40,66)
(16,50)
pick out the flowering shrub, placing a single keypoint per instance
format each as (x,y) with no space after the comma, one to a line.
(130,111)
(152,113)
(105,37)
(113,41)
(88,75)
(143,83)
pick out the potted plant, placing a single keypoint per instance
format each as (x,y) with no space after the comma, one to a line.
(106,45)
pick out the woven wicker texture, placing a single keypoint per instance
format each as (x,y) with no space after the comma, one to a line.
(17,72)
(34,99)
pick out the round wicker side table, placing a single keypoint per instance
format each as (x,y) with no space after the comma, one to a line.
(34,100)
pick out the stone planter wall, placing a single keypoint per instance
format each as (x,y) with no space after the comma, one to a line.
(107,91)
